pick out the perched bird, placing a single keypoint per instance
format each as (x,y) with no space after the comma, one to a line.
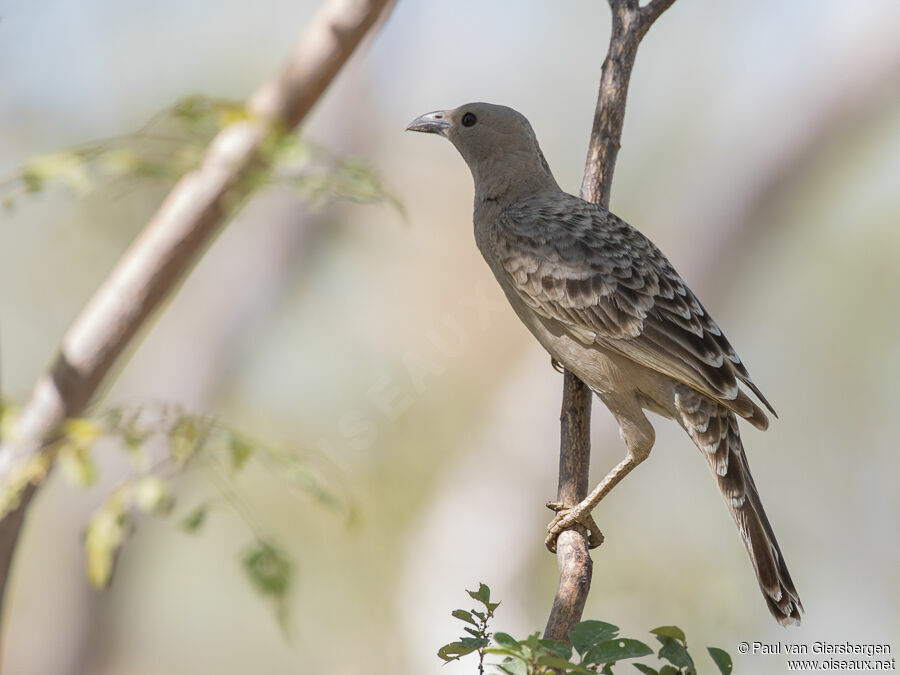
(605,302)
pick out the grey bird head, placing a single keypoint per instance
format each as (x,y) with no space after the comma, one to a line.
(497,143)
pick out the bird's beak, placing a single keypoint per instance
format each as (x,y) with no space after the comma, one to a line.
(436,122)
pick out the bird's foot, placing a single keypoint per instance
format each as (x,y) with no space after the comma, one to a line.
(566,517)
(557,366)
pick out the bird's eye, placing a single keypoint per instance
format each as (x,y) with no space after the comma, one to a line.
(468,120)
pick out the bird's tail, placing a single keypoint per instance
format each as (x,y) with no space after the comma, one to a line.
(714,429)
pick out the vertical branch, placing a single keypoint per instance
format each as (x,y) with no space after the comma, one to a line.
(174,239)
(630,23)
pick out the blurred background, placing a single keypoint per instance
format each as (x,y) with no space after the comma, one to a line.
(761,152)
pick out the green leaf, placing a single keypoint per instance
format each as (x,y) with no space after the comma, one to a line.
(454,650)
(563,664)
(105,533)
(483,594)
(82,431)
(506,640)
(268,569)
(66,167)
(532,644)
(133,444)
(513,667)
(502,651)
(673,632)
(588,633)
(675,653)
(152,495)
(310,485)
(193,521)
(647,670)
(616,650)
(79,438)
(172,143)
(669,670)
(185,437)
(463,615)
(78,465)
(472,631)
(722,659)
(239,450)
(22,472)
(557,648)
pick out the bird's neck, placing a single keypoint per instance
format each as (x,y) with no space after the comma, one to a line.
(509,178)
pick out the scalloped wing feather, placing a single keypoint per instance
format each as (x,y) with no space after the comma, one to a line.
(577,264)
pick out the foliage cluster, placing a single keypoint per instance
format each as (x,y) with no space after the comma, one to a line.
(596,647)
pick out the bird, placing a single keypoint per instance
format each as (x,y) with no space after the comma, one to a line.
(608,306)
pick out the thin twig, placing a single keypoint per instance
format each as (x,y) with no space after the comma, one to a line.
(629,24)
(175,238)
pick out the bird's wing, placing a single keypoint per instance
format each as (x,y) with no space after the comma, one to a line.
(577,264)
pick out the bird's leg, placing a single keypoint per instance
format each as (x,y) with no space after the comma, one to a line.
(637,432)
(581,512)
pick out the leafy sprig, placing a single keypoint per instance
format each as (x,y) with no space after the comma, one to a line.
(173,143)
(163,443)
(478,637)
(596,647)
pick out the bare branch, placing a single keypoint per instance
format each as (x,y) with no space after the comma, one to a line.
(652,11)
(573,560)
(175,238)
(629,24)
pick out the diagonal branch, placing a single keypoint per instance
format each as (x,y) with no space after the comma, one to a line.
(629,24)
(175,238)
(652,11)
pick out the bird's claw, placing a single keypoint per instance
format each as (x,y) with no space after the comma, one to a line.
(566,518)
(557,366)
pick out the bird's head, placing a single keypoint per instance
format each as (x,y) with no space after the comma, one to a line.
(497,142)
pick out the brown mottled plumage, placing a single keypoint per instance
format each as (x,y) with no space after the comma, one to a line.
(606,303)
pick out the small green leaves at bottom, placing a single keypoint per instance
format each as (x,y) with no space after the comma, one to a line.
(513,667)
(483,594)
(674,647)
(589,633)
(561,664)
(722,659)
(455,650)
(558,648)
(506,641)
(463,615)
(675,653)
(615,650)
(598,644)
(673,632)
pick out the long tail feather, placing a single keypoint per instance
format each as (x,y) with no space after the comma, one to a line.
(714,429)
